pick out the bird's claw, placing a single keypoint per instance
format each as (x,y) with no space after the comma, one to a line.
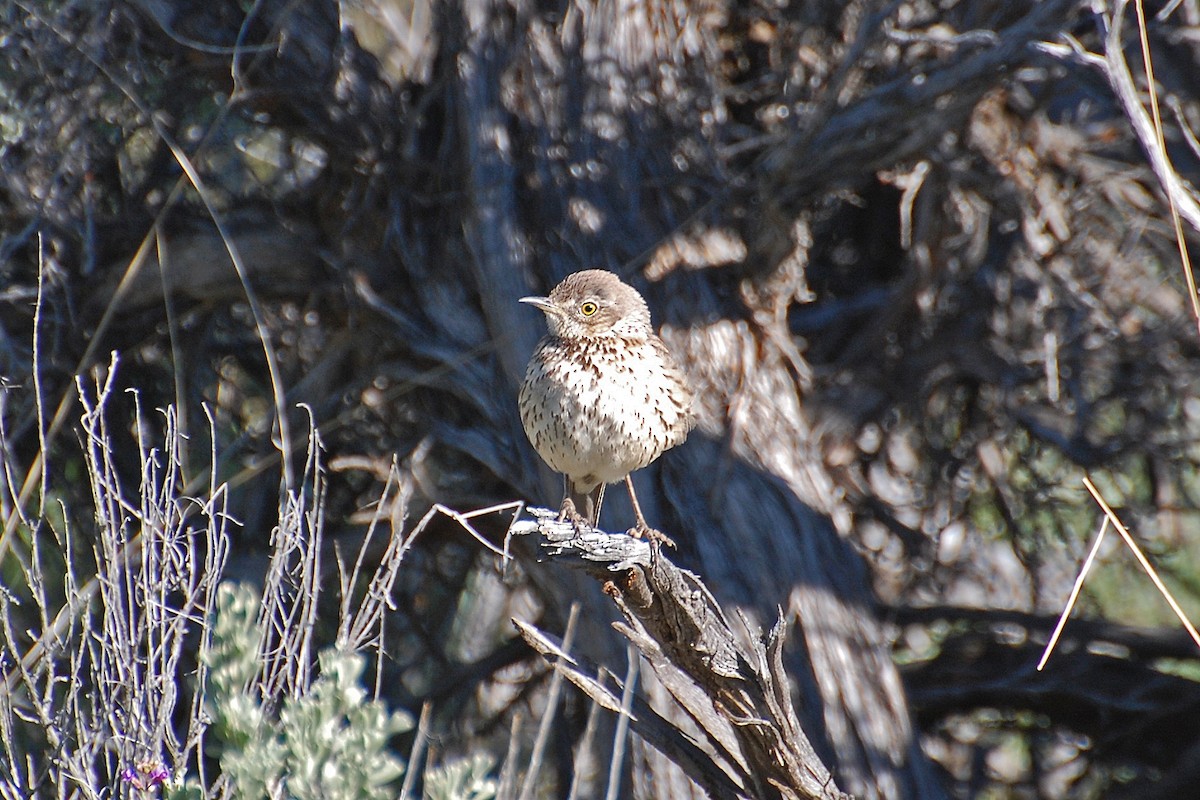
(653,535)
(567,513)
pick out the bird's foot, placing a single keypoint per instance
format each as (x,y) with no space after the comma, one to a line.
(568,513)
(654,535)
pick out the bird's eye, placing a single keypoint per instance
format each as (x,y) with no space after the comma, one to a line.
(588,309)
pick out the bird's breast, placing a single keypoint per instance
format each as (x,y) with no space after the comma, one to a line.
(603,408)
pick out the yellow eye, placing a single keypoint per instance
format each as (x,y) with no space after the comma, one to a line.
(588,308)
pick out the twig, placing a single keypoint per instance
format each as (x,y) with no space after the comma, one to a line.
(656,731)
(1148,129)
(506,788)
(547,721)
(584,749)
(1160,140)
(417,752)
(1146,565)
(621,735)
(1066,612)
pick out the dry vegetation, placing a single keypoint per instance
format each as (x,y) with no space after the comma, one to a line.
(916,257)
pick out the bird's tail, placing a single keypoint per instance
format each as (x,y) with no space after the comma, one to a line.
(587,501)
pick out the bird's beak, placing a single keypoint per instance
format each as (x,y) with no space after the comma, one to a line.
(543,303)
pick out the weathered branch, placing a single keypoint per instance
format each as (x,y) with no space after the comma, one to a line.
(736,693)
(1117,71)
(902,117)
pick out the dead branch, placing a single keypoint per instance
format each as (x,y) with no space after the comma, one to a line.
(733,688)
(1116,69)
(899,118)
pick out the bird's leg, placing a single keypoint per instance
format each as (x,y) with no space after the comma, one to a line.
(580,507)
(597,498)
(567,512)
(641,528)
(637,509)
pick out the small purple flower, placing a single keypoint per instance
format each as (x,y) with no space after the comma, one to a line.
(146,775)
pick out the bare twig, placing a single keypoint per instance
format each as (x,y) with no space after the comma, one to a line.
(698,764)
(1070,604)
(417,753)
(362,621)
(583,751)
(1147,127)
(1141,557)
(621,734)
(547,721)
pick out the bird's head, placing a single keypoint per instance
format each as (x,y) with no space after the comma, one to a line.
(594,304)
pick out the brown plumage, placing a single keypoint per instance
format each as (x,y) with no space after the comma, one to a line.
(602,395)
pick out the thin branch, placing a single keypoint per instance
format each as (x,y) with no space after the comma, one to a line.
(1148,129)
(547,721)
(1141,557)
(1070,604)
(621,734)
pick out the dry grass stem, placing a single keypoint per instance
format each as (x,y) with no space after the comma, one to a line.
(544,726)
(1161,148)
(1141,557)
(621,734)
(1075,589)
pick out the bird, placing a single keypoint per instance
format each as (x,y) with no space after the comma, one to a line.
(602,395)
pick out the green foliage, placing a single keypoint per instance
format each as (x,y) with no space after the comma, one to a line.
(329,743)
(466,779)
(232,661)
(188,791)
(336,739)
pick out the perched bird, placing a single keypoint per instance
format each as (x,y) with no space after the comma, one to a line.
(602,395)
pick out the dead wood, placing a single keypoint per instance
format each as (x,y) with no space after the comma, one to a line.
(733,687)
